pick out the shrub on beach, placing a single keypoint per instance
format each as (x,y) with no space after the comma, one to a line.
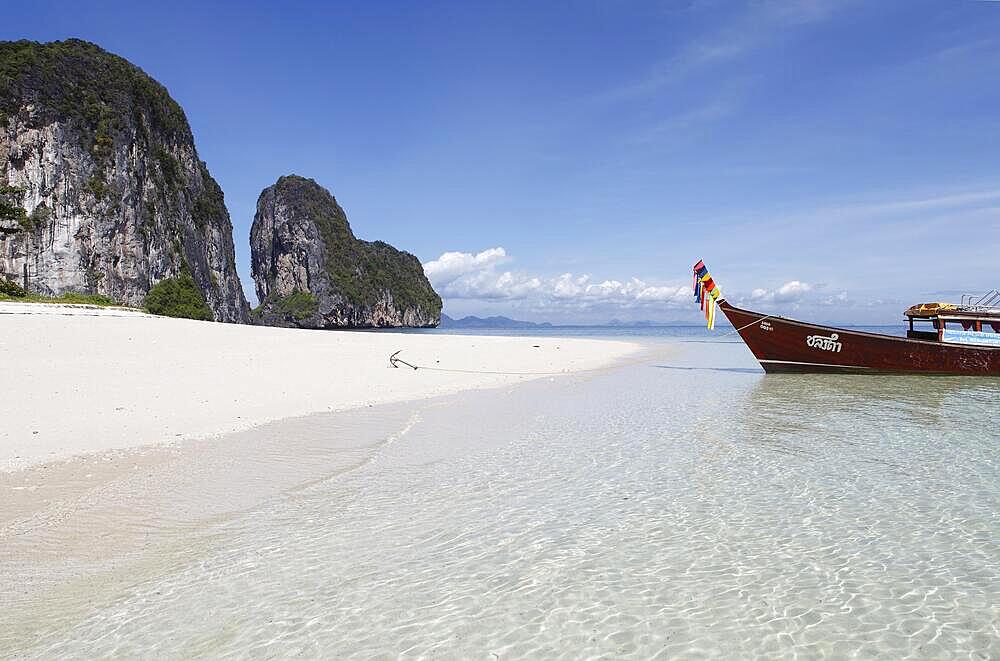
(299,305)
(178,297)
(11,289)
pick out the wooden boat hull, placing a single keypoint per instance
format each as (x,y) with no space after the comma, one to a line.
(785,345)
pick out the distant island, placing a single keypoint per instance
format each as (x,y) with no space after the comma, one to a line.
(488,322)
(500,322)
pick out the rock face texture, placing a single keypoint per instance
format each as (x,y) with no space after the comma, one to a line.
(102,166)
(311,272)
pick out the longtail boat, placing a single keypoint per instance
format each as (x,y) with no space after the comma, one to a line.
(942,338)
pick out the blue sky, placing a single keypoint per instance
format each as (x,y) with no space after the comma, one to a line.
(570,161)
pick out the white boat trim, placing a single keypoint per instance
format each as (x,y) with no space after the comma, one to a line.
(796,362)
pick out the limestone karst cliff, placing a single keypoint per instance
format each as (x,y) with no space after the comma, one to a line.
(311,272)
(107,192)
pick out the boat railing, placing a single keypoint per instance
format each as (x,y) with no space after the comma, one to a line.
(987,301)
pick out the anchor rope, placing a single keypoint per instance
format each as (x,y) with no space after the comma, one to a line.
(396,361)
(460,371)
(756,321)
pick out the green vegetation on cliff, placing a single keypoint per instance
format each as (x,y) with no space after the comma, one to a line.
(10,208)
(299,305)
(210,204)
(77,80)
(178,297)
(105,97)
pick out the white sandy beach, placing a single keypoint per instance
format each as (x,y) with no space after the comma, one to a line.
(78,380)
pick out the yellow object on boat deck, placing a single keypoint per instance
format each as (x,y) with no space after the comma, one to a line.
(930,309)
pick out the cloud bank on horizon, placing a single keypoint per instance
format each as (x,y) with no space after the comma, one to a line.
(480,281)
(476,277)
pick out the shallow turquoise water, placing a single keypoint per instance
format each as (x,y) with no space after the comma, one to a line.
(685,507)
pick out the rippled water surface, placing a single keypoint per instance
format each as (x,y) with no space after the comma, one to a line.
(685,507)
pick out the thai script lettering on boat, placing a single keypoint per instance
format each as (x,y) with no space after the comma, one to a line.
(824,343)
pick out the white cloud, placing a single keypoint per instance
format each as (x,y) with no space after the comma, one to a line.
(790,292)
(462,275)
(453,265)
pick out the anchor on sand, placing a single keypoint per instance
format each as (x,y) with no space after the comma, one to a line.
(395,361)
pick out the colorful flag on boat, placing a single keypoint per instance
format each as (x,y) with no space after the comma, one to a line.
(706,292)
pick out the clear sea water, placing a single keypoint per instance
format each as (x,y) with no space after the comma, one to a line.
(686,506)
